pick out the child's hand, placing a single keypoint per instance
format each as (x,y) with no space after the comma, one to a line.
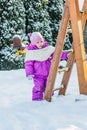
(30,77)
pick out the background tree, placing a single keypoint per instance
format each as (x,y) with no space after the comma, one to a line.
(12,19)
(25,16)
(37,18)
(64,1)
(55,9)
(68,42)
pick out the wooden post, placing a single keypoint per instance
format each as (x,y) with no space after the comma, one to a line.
(71,59)
(57,54)
(67,74)
(78,45)
(83,19)
(72,13)
(84,14)
(85,6)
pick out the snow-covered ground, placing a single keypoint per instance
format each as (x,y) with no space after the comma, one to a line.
(19,112)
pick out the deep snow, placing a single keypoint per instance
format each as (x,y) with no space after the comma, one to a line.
(19,112)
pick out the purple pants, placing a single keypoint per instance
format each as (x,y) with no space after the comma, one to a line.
(39,88)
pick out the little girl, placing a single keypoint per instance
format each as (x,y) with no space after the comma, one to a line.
(37,64)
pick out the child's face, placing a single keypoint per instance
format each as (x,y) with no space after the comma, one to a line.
(40,44)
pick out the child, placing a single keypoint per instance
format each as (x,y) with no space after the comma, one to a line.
(64,55)
(37,64)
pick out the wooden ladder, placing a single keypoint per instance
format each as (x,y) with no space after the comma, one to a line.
(78,21)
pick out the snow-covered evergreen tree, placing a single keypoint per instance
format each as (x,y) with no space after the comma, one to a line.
(68,40)
(64,1)
(37,18)
(12,21)
(55,9)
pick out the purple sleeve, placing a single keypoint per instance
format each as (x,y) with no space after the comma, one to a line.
(29,47)
(52,55)
(45,43)
(29,69)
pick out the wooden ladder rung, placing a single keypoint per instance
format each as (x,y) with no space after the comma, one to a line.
(85,11)
(69,31)
(61,87)
(69,50)
(63,69)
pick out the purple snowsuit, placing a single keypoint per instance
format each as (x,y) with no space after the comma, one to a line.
(40,72)
(64,56)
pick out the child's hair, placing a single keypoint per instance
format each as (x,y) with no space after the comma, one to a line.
(35,37)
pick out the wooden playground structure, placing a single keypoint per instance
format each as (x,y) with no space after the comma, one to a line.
(77,20)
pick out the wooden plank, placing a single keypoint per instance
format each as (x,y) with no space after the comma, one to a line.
(84,6)
(84,14)
(57,54)
(71,59)
(79,58)
(67,74)
(83,19)
(78,45)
